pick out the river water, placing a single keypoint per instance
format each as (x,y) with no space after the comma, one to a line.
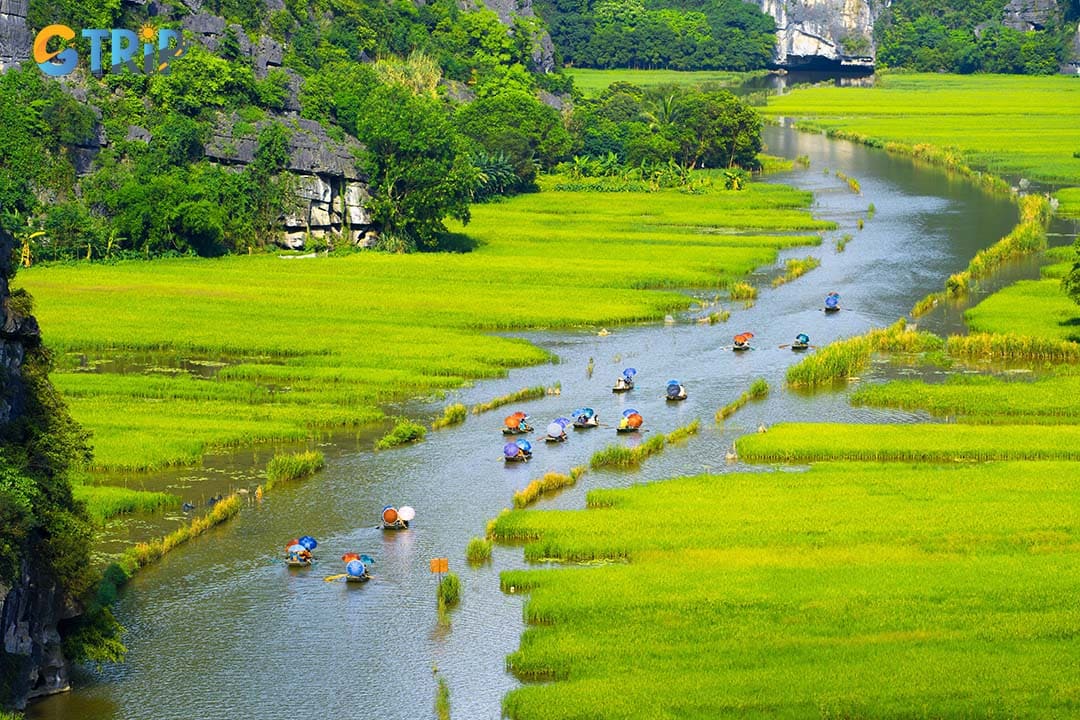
(221,629)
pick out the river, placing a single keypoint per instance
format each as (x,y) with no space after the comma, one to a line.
(221,629)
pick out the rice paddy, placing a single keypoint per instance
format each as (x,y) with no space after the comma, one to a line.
(982,399)
(856,590)
(593,82)
(312,344)
(1008,125)
(1032,308)
(812,442)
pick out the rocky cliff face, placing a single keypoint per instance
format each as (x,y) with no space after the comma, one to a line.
(31,661)
(1032,14)
(14,34)
(823,34)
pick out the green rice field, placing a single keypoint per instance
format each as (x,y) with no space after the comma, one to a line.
(290,346)
(592,82)
(1037,308)
(809,442)
(982,399)
(850,590)
(1014,125)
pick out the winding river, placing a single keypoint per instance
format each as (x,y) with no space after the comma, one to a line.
(220,629)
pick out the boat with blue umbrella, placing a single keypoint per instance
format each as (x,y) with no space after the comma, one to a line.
(675,391)
(556,430)
(298,551)
(517,452)
(832,302)
(356,567)
(625,383)
(585,418)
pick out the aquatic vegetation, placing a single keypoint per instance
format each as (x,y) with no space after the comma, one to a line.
(871,211)
(841,242)
(340,349)
(442,700)
(927,304)
(107,501)
(683,433)
(531,393)
(478,550)
(720,316)
(723,593)
(742,291)
(795,268)
(452,415)
(852,184)
(1028,237)
(811,442)
(292,466)
(550,483)
(142,554)
(450,590)
(406,431)
(758,390)
(845,358)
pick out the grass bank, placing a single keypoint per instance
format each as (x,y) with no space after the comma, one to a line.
(292,347)
(592,82)
(809,442)
(104,502)
(846,591)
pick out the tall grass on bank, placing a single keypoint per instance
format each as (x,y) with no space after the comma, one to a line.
(107,501)
(795,268)
(745,592)
(992,346)
(622,457)
(549,484)
(292,466)
(530,393)
(405,432)
(452,415)
(142,554)
(1028,237)
(811,442)
(845,358)
(758,390)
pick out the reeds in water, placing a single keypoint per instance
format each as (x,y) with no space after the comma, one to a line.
(796,268)
(530,393)
(478,550)
(404,432)
(742,291)
(292,466)
(550,483)
(845,358)
(1008,346)
(758,390)
(452,415)
(145,553)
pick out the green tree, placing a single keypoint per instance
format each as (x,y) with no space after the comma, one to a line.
(418,167)
(718,131)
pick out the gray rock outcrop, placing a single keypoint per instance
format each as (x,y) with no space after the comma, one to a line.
(1032,14)
(331,193)
(823,34)
(15,39)
(32,663)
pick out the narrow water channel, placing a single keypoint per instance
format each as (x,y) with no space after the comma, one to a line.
(220,629)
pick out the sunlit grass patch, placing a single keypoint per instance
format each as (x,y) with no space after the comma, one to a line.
(531,393)
(452,415)
(846,358)
(293,466)
(1033,308)
(810,442)
(549,484)
(405,432)
(855,588)
(758,390)
(107,501)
